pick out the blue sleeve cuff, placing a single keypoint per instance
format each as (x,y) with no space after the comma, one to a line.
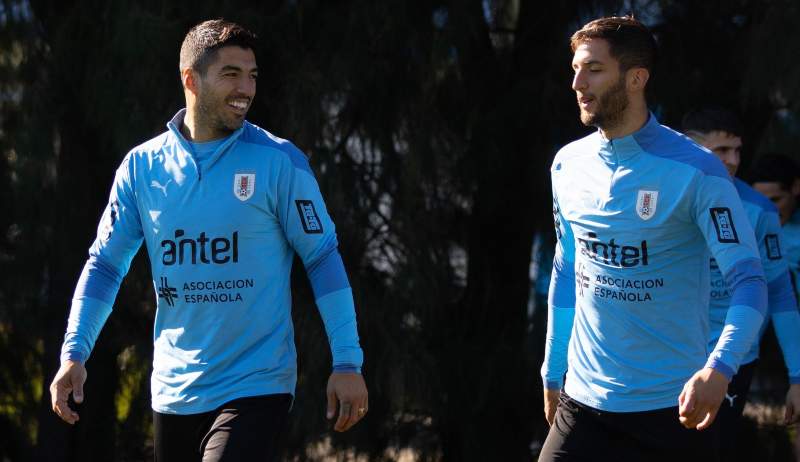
(742,326)
(86,318)
(346,369)
(76,356)
(721,367)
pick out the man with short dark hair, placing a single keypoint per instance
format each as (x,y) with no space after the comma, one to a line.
(636,207)
(720,132)
(223,206)
(778,178)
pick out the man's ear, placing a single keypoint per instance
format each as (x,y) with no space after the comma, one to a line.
(637,78)
(190,80)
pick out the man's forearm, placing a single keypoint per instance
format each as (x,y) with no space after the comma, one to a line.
(91,305)
(338,314)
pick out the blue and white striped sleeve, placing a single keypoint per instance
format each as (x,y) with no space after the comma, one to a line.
(119,236)
(560,303)
(721,218)
(311,232)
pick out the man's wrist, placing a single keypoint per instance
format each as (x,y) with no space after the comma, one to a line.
(719,366)
(723,370)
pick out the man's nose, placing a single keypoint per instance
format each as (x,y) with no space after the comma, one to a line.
(247,86)
(579,81)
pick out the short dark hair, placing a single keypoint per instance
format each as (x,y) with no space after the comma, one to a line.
(774,168)
(711,119)
(630,42)
(203,40)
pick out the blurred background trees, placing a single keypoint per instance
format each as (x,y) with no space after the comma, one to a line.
(431,126)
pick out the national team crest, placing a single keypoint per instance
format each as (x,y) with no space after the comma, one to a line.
(244,184)
(646,204)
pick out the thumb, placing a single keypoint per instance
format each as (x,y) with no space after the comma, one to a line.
(708,420)
(77,386)
(331,403)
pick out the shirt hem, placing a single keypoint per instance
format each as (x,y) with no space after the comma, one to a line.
(626,406)
(182,408)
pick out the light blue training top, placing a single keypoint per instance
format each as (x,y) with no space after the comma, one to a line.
(782,306)
(222,222)
(628,305)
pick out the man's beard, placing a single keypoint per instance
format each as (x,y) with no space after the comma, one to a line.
(610,108)
(209,114)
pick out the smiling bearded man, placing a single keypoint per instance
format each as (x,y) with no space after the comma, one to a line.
(222,206)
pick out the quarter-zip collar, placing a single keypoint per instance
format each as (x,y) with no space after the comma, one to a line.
(621,149)
(174,126)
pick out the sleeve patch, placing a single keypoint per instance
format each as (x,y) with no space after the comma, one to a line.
(723,224)
(773,246)
(308,217)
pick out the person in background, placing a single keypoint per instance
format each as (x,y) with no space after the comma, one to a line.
(720,132)
(777,177)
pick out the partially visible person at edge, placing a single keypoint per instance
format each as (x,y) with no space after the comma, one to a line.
(720,131)
(222,206)
(637,206)
(777,177)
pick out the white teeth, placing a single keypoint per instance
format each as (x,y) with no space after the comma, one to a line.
(238,104)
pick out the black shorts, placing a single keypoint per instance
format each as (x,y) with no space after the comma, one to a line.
(242,429)
(729,417)
(582,433)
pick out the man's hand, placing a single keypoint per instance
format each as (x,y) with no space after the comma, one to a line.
(550,404)
(349,392)
(69,379)
(701,397)
(792,413)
